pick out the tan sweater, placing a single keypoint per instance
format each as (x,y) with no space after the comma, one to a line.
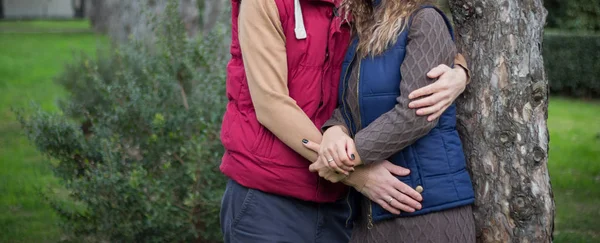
(263,49)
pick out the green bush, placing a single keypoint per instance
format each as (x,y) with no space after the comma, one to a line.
(136,144)
(573,14)
(573,64)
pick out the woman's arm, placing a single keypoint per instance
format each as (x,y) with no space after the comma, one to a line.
(336,120)
(429,44)
(265,61)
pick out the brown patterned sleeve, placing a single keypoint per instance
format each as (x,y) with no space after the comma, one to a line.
(335,120)
(429,44)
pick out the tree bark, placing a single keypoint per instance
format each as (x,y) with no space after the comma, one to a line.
(1,9)
(124,19)
(213,10)
(502,118)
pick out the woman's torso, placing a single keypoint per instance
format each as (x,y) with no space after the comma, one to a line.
(436,160)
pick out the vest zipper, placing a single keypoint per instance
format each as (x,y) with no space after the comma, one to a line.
(358,96)
(350,128)
(349,207)
(327,61)
(370,216)
(359,126)
(348,118)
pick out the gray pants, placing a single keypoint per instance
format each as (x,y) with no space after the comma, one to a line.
(252,216)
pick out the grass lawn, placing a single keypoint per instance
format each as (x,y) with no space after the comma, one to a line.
(29,61)
(44,26)
(575,168)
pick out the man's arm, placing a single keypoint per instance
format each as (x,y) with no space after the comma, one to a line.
(262,42)
(432,100)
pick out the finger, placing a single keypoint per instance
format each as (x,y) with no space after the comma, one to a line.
(424,91)
(402,207)
(396,170)
(344,158)
(436,115)
(311,145)
(346,168)
(329,160)
(430,110)
(351,151)
(426,101)
(438,71)
(408,191)
(335,164)
(324,172)
(316,166)
(385,205)
(403,202)
(312,167)
(323,158)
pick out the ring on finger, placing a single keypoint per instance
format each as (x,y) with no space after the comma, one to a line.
(329,160)
(389,201)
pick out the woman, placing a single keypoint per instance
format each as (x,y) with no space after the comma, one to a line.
(398,40)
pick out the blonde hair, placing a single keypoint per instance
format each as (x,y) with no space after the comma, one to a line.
(378,27)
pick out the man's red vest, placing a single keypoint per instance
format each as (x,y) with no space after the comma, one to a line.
(254,157)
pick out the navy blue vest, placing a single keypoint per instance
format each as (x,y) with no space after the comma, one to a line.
(436,161)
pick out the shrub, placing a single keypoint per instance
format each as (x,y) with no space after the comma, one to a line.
(136,143)
(573,14)
(573,64)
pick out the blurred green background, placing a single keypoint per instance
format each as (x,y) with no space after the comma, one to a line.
(33,52)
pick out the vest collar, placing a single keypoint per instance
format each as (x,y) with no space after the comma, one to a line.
(300,29)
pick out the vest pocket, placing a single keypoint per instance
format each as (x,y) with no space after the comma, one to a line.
(431,155)
(417,161)
(263,144)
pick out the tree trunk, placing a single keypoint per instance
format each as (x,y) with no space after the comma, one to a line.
(79,8)
(124,19)
(213,10)
(502,119)
(1,9)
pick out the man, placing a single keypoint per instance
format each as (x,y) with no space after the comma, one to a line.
(282,86)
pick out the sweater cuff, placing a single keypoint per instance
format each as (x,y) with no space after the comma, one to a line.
(357,179)
(462,62)
(363,153)
(333,122)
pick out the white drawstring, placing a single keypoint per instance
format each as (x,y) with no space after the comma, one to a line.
(299,29)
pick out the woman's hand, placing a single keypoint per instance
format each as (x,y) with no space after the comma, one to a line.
(440,94)
(336,151)
(378,183)
(326,172)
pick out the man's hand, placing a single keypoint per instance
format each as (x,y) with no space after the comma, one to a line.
(439,95)
(378,183)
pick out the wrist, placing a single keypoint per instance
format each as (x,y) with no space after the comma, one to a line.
(463,72)
(342,128)
(357,179)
